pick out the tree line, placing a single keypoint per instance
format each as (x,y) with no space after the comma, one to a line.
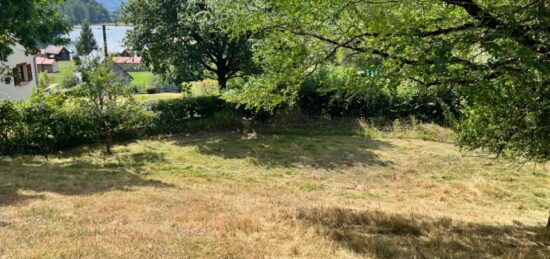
(79,11)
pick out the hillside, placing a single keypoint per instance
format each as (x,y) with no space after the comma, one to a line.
(79,11)
(111,5)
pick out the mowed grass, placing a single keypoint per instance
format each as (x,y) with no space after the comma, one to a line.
(142,78)
(65,68)
(144,98)
(291,193)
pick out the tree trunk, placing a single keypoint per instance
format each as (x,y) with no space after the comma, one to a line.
(548,224)
(106,136)
(222,80)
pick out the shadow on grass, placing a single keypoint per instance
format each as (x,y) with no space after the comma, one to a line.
(74,176)
(292,150)
(393,236)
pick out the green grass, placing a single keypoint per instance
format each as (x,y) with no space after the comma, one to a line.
(316,193)
(143,98)
(65,68)
(142,78)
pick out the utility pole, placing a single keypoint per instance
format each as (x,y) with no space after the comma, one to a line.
(106,52)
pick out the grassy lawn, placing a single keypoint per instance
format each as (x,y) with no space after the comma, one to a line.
(142,78)
(65,67)
(142,98)
(294,193)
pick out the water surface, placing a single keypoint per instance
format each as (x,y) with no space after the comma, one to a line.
(115,37)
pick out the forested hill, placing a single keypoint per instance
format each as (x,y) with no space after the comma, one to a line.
(79,11)
(112,5)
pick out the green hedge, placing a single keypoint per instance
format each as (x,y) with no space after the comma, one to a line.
(193,113)
(51,123)
(344,93)
(41,126)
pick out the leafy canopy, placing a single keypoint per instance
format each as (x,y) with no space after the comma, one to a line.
(496,53)
(106,100)
(184,40)
(27,21)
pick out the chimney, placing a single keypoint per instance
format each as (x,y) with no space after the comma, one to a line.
(105,40)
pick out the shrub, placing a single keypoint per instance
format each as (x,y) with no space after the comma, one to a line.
(69,80)
(172,115)
(47,124)
(345,93)
(11,126)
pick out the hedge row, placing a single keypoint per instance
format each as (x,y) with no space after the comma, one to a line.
(53,123)
(49,124)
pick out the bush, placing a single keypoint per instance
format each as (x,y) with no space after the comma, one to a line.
(174,115)
(11,126)
(69,80)
(52,123)
(344,93)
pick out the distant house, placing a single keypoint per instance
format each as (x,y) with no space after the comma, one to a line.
(24,76)
(123,74)
(129,63)
(59,53)
(47,65)
(99,56)
(125,53)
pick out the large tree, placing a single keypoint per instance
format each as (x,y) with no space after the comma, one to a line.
(86,43)
(26,22)
(496,53)
(184,40)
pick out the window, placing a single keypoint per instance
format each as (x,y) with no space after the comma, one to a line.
(22,73)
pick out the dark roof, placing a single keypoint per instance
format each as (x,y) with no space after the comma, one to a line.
(51,49)
(121,72)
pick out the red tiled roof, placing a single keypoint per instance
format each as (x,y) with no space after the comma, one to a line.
(127,60)
(44,61)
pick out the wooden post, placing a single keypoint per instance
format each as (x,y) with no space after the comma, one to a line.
(106,52)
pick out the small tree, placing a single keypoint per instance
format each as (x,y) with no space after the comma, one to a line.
(106,100)
(44,80)
(86,43)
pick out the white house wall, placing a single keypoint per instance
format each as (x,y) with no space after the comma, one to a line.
(24,91)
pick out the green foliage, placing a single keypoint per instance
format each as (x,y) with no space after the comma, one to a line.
(80,11)
(69,80)
(107,101)
(509,119)
(342,92)
(494,53)
(44,124)
(202,49)
(25,22)
(43,80)
(86,43)
(174,115)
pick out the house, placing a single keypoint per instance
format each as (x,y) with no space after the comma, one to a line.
(59,53)
(99,56)
(125,53)
(23,76)
(47,65)
(129,63)
(123,74)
